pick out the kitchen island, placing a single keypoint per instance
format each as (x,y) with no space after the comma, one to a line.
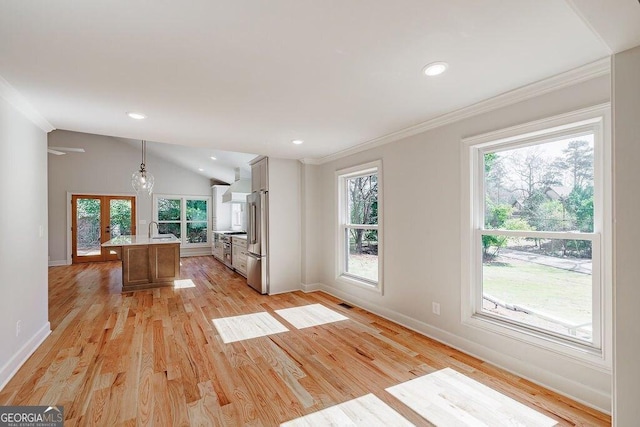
(147,262)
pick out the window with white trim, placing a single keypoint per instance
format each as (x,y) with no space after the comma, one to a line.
(360,225)
(538,236)
(186,217)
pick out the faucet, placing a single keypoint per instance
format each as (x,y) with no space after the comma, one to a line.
(150,224)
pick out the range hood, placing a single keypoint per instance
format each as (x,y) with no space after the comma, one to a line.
(238,191)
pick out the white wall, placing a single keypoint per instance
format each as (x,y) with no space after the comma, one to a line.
(106,168)
(422,220)
(23,251)
(284,225)
(626,149)
(310,217)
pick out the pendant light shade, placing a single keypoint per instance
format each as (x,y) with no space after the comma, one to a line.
(142,181)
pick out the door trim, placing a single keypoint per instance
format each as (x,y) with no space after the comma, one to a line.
(69,224)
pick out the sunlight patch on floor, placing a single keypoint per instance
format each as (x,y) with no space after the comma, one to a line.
(310,315)
(448,398)
(366,411)
(183,283)
(247,326)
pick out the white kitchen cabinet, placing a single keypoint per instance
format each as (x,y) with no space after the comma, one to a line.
(220,212)
(239,254)
(260,175)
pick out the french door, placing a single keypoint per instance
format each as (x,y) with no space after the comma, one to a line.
(97,219)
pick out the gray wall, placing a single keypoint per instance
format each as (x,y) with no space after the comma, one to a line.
(23,252)
(106,168)
(626,151)
(422,231)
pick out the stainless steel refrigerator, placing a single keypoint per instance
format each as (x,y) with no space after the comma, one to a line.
(258,241)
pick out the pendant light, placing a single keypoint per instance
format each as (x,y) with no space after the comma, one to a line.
(142,181)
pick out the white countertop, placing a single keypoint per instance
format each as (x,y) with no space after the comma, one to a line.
(129,240)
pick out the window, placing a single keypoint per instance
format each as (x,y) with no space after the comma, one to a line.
(185,217)
(237,216)
(169,216)
(360,225)
(538,235)
(197,221)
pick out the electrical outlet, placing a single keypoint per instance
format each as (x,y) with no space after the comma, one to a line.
(18,327)
(436,308)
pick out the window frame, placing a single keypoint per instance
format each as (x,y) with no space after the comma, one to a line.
(597,120)
(183,217)
(343,225)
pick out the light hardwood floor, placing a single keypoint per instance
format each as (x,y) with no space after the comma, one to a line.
(154,357)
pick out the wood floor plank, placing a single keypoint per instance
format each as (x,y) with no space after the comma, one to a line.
(447,397)
(177,404)
(154,357)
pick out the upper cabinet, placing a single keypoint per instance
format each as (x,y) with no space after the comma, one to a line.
(220,212)
(260,175)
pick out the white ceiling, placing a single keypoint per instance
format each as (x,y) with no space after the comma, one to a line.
(251,75)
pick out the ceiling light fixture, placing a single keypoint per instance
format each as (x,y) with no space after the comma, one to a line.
(297,141)
(142,180)
(201,170)
(435,69)
(214,158)
(137,116)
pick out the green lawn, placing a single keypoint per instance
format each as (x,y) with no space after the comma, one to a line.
(561,293)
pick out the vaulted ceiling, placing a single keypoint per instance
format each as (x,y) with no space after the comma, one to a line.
(253,75)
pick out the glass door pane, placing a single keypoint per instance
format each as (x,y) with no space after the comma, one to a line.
(121,220)
(87,228)
(120,217)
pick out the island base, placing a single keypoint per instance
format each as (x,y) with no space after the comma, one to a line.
(149,266)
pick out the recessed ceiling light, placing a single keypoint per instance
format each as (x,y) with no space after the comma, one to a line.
(137,116)
(297,141)
(214,158)
(435,68)
(201,170)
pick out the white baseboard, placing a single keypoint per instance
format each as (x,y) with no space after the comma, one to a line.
(311,287)
(187,252)
(11,367)
(59,263)
(281,292)
(583,394)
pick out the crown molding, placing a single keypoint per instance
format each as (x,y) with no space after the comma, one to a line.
(13,97)
(312,161)
(587,72)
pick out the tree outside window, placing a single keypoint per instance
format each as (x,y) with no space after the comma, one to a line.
(197,221)
(169,214)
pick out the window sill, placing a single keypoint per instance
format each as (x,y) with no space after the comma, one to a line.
(584,354)
(353,281)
